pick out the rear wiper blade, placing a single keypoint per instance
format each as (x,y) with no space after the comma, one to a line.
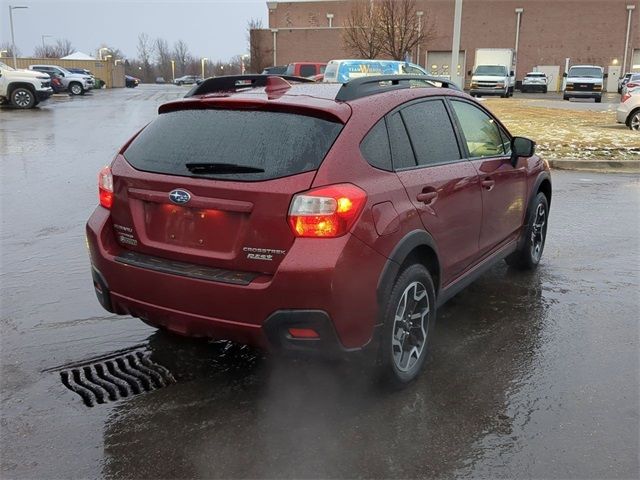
(221,168)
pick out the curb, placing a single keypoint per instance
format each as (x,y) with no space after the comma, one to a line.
(619,166)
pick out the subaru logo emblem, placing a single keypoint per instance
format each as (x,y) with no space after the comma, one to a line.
(179,197)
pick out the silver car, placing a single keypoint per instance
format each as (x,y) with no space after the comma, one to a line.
(75,83)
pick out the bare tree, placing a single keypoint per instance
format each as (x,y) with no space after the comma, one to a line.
(63,47)
(7,50)
(45,51)
(163,57)
(145,53)
(361,35)
(260,57)
(182,57)
(401,29)
(386,27)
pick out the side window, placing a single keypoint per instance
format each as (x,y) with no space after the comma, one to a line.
(431,132)
(401,151)
(506,142)
(375,147)
(481,132)
(307,70)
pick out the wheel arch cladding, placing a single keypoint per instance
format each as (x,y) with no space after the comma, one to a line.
(417,246)
(15,85)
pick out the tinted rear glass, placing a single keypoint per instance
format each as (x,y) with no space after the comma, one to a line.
(281,144)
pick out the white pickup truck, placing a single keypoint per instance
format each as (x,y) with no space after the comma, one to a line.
(23,88)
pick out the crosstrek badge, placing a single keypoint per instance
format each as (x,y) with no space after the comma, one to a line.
(265,254)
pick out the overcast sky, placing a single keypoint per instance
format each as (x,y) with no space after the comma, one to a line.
(215,29)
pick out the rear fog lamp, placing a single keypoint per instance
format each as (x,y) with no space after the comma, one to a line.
(303,333)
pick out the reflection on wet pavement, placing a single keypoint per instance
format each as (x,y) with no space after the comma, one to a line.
(529,375)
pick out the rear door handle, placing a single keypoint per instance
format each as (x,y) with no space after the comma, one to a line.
(488,183)
(427,197)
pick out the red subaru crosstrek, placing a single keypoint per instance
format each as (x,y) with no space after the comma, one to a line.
(314,217)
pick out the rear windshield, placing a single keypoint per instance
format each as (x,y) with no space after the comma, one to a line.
(585,72)
(281,144)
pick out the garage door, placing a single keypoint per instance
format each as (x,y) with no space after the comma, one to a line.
(635,60)
(439,64)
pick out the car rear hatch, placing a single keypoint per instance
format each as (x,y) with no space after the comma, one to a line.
(211,187)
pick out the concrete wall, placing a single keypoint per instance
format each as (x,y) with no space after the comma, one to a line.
(112,75)
(586,31)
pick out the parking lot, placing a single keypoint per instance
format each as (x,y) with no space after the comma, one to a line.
(530,375)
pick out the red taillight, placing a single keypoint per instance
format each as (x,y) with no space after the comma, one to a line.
(632,85)
(326,211)
(625,97)
(105,187)
(303,333)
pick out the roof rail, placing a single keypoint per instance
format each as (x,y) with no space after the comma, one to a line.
(365,86)
(233,83)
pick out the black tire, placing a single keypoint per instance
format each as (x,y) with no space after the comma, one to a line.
(528,255)
(565,97)
(76,88)
(599,100)
(23,97)
(411,334)
(633,120)
(544,89)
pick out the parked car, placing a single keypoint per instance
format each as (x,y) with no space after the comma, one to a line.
(187,80)
(56,83)
(327,221)
(23,88)
(277,70)
(622,81)
(131,82)
(305,69)
(628,111)
(75,83)
(342,71)
(534,81)
(584,81)
(632,82)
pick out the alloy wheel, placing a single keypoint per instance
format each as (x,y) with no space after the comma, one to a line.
(538,232)
(634,123)
(410,326)
(22,98)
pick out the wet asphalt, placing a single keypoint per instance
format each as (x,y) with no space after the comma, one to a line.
(530,375)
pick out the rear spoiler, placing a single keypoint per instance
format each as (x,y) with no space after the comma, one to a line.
(234,83)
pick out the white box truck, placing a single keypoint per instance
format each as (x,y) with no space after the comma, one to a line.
(494,72)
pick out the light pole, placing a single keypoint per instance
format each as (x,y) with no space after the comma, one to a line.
(43,37)
(455,48)
(100,52)
(419,14)
(13,40)
(630,9)
(173,70)
(204,59)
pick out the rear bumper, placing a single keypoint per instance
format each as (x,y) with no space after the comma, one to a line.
(582,94)
(332,291)
(488,91)
(621,115)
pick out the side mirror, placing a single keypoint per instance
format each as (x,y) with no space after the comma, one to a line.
(512,73)
(469,72)
(521,147)
(61,74)
(564,74)
(606,75)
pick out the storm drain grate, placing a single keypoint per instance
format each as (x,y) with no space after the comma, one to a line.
(111,379)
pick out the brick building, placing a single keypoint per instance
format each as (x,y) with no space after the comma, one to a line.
(585,31)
